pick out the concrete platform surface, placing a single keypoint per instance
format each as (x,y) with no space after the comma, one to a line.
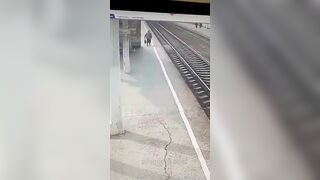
(156,144)
(202,31)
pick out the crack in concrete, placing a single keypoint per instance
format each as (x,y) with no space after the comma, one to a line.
(166,149)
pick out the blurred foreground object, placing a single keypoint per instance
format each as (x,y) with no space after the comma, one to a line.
(54,77)
(266,112)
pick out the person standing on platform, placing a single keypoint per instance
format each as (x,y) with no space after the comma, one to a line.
(148,37)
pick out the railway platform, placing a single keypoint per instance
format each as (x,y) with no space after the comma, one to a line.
(202,31)
(166,131)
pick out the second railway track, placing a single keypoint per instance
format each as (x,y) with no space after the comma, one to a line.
(192,66)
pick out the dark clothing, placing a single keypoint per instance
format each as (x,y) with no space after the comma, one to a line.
(148,36)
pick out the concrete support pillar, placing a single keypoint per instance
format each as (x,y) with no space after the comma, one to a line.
(116,125)
(126,47)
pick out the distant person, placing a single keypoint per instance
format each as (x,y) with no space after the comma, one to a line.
(148,37)
(200,25)
(196,25)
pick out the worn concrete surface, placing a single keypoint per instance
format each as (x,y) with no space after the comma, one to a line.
(202,31)
(197,118)
(156,144)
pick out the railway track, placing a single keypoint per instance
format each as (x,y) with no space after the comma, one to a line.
(197,41)
(192,66)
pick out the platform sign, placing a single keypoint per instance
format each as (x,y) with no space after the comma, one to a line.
(191,7)
(127,31)
(160,16)
(162,10)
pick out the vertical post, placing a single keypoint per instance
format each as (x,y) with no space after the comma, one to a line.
(115,82)
(126,59)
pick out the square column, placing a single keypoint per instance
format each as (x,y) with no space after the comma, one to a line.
(116,125)
(126,47)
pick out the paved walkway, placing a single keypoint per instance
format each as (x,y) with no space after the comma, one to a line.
(202,31)
(156,144)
